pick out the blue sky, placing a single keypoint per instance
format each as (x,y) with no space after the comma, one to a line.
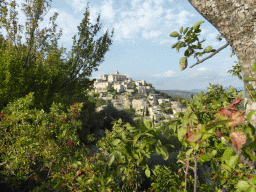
(141,47)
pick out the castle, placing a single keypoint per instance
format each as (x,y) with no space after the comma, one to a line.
(119,82)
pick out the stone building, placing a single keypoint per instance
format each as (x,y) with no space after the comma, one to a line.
(116,77)
(118,81)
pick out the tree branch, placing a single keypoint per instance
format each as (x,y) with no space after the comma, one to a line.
(198,62)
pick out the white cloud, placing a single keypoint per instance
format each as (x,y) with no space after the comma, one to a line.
(169,73)
(150,34)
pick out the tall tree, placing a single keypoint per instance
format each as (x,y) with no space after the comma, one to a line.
(236,21)
(52,79)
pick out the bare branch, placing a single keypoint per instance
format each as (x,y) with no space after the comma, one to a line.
(198,62)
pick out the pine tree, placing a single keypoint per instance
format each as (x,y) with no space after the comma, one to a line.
(147,112)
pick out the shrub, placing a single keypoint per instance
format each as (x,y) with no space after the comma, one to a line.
(109,114)
(90,125)
(158,124)
(34,143)
(133,151)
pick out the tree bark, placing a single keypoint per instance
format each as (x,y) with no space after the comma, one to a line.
(236,21)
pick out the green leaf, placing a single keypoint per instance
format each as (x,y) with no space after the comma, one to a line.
(174,34)
(196,25)
(181,29)
(120,121)
(233,161)
(147,172)
(115,142)
(249,79)
(227,153)
(119,156)
(205,157)
(254,67)
(189,151)
(183,63)
(88,181)
(197,30)
(174,45)
(161,150)
(249,116)
(179,37)
(123,133)
(188,53)
(74,165)
(185,30)
(136,138)
(208,49)
(213,153)
(206,136)
(226,167)
(189,33)
(182,44)
(147,123)
(111,159)
(214,168)
(58,185)
(242,185)
(181,133)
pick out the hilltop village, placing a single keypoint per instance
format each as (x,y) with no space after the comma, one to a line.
(126,88)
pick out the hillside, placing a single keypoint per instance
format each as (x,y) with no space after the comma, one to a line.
(187,94)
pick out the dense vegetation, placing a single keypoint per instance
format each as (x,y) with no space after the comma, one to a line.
(47,120)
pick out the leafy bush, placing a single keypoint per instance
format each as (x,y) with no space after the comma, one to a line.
(131,111)
(170,111)
(162,118)
(132,154)
(100,102)
(158,124)
(34,143)
(90,125)
(108,101)
(109,114)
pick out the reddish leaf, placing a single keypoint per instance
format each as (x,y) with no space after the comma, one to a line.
(239,138)
(233,114)
(235,103)
(70,143)
(192,137)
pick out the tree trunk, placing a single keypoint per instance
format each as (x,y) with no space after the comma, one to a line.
(236,21)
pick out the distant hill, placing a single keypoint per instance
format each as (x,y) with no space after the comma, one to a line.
(206,90)
(186,94)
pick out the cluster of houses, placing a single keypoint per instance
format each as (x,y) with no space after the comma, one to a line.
(151,100)
(120,83)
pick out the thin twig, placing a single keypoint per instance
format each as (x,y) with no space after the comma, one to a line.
(198,62)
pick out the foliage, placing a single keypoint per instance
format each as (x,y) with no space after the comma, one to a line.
(34,143)
(110,89)
(158,124)
(201,107)
(24,69)
(147,112)
(40,147)
(129,149)
(131,111)
(169,111)
(110,113)
(90,126)
(100,102)
(108,101)
(162,118)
